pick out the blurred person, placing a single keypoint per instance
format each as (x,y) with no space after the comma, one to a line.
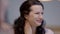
(5,28)
(31,19)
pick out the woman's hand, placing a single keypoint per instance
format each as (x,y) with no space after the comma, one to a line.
(28,29)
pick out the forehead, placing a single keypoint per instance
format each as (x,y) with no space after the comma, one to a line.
(36,8)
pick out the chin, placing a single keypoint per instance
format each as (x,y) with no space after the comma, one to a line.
(38,24)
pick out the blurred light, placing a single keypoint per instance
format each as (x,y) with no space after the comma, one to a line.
(45,0)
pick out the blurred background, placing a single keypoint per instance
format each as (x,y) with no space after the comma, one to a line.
(51,13)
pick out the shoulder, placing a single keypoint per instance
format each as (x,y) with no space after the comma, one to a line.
(49,31)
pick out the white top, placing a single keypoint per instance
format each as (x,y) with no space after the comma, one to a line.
(49,31)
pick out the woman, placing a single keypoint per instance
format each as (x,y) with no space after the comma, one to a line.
(5,28)
(31,19)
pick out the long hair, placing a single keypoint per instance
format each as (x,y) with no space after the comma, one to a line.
(19,23)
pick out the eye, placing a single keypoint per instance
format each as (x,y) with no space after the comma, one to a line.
(37,13)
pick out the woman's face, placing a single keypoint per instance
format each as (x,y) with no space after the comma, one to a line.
(35,16)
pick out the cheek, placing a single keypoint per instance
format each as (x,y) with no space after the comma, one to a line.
(33,17)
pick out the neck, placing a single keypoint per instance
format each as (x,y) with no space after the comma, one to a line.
(29,28)
(33,30)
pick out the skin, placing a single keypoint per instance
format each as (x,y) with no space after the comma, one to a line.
(34,19)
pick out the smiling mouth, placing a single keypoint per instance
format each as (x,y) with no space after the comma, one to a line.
(39,21)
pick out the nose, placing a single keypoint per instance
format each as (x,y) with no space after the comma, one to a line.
(40,16)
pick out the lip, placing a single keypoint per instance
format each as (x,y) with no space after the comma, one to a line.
(39,21)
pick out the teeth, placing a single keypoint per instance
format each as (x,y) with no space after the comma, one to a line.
(39,21)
